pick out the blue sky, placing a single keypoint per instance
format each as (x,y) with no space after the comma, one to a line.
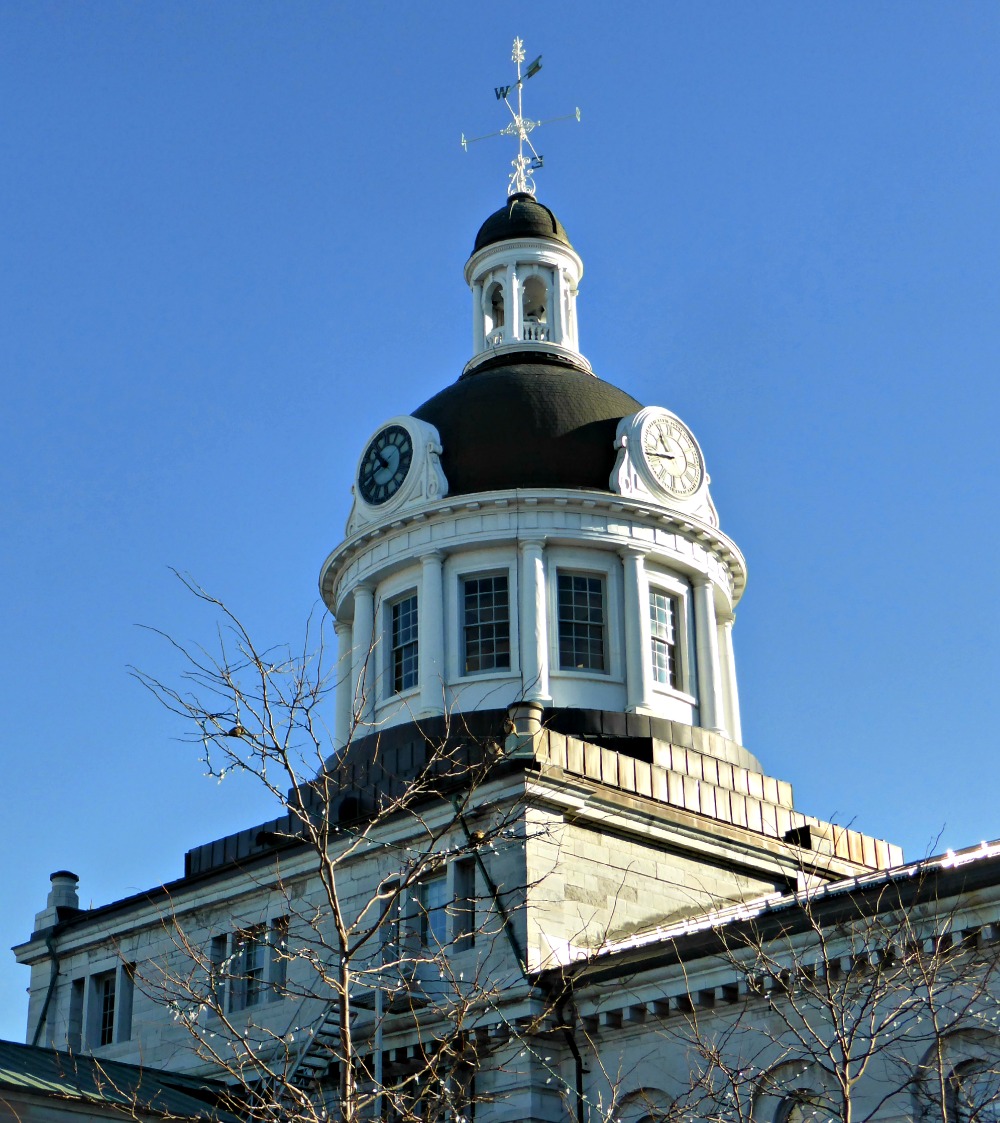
(232,238)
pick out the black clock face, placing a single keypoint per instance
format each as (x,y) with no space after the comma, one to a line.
(386,462)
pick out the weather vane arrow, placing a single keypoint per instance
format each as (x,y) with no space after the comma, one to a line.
(525,164)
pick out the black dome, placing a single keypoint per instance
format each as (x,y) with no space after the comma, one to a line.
(527,424)
(522,216)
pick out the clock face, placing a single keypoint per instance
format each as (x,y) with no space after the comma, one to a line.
(385,464)
(671,454)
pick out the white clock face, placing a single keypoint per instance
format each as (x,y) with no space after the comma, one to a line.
(672,455)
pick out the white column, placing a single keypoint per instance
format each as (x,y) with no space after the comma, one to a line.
(512,307)
(366,652)
(572,332)
(430,634)
(478,319)
(707,638)
(534,622)
(730,691)
(638,673)
(343,713)
(555,306)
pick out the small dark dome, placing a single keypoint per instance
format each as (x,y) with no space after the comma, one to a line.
(522,216)
(527,423)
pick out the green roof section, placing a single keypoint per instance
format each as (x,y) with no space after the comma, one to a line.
(113,1084)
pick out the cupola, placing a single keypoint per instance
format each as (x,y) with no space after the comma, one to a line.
(524,275)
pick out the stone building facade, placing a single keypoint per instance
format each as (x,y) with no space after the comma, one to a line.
(568,890)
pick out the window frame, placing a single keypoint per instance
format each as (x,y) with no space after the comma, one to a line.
(572,572)
(391,605)
(228,979)
(684,639)
(463,624)
(571,558)
(429,916)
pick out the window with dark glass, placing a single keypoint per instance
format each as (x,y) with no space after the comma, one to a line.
(404,643)
(249,965)
(664,615)
(486,628)
(278,975)
(432,911)
(104,986)
(581,622)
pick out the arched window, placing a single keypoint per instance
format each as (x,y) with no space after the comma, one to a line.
(966,1065)
(796,1092)
(804,1106)
(974,1092)
(494,312)
(535,301)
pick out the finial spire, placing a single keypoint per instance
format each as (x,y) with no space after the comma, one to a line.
(525,164)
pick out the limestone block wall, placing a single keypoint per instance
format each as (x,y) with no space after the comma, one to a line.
(588,886)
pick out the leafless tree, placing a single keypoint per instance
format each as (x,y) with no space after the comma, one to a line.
(365,952)
(873,1000)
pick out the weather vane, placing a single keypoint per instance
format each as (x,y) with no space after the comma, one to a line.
(525,164)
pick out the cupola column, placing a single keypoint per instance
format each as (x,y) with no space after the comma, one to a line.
(343,717)
(430,650)
(478,320)
(534,623)
(556,308)
(638,679)
(512,302)
(362,699)
(729,689)
(710,700)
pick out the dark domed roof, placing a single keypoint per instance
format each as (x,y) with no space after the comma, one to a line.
(522,216)
(527,423)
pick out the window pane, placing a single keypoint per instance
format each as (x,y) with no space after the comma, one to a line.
(106,1009)
(581,622)
(432,901)
(486,631)
(404,644)
(663,617)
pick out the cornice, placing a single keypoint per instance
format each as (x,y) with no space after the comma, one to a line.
(654,515)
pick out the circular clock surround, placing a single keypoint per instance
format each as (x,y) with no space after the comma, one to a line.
(671,455)
(385,464)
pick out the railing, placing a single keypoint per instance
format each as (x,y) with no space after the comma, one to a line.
(531,332)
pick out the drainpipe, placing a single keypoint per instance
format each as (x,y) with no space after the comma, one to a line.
(53,956)
(570,1036)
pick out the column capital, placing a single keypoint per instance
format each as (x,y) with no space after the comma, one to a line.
(637,550)
(531,541)
(432,556)
(700,580)
(341,627)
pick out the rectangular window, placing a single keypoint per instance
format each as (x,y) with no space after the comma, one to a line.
(464,904)
(664,621)
(248,982)
(103,1023)
(486,629)
(432,911)
(581,622)
(125,997)
(217,972)
(74,1031)
(404,643)
(278,974)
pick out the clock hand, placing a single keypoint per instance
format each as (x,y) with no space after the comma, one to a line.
(664,455)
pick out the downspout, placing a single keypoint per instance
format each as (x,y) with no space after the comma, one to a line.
(570,1036)
(494,894)
(52,987)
